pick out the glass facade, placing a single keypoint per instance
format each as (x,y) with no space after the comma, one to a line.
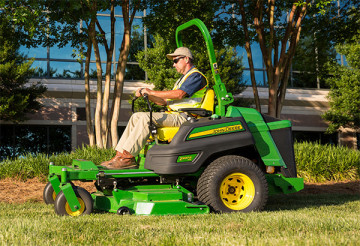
(55,62)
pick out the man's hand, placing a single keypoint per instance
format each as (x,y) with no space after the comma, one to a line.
(141,91)
(159,97)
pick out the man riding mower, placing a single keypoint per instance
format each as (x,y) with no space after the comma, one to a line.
(218,158)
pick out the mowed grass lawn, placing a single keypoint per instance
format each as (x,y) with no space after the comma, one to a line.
(297,219)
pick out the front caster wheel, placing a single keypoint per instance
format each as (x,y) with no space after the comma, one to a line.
(62,207)
(233,184)
(49,194)
(123,211)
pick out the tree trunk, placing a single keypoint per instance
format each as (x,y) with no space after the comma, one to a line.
(278,69)
(89,126)
(282,90)
(272,100)
(347,137)
(120,70)
(109,55)
(98,131)
(103,119)
(249,56)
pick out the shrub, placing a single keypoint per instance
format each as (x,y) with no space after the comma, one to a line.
(315,162)
(318,163)
(30,166)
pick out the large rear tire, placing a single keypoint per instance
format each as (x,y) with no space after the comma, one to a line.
(233,184)
(86,202)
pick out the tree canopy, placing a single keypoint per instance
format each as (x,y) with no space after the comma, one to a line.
(16,98)
(344,96)
(275,25)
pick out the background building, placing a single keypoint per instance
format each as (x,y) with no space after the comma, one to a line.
(61,125)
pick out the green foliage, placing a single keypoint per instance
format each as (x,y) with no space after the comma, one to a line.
(16,99)
(314,50)
(30,166)
(165,16)
(319,34)
(344,97)
(159,69)
(315,162)
(230,68)
(49,23)
(344,23)
(331,219)
(319,163)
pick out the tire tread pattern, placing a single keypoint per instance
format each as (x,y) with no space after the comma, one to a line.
(208,182)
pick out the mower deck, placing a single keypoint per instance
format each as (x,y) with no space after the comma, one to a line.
(159,199)
(149,200)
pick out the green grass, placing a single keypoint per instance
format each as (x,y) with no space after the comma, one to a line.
(318,163)
(30,166)
(291,220)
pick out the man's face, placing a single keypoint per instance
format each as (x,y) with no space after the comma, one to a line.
(180,63)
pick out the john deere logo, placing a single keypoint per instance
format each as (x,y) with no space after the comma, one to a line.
(216,130)
(227,129)
(186,158)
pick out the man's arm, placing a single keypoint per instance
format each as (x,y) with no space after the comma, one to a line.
(159,97)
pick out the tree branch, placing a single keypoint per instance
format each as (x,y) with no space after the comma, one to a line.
(287,32)
(271,20)
(103,35)
(249,55)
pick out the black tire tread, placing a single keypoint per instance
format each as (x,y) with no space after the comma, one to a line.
(218,166)
(60,201)
(47,194)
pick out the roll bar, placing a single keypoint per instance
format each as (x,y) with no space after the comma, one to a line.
(223,97)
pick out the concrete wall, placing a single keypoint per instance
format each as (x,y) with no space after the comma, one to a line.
(65,98)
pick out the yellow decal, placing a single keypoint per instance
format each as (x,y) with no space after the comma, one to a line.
(218,131)
(185,158)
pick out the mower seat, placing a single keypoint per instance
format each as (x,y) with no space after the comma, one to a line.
(168,133)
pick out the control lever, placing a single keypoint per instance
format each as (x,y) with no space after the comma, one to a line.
(152,127)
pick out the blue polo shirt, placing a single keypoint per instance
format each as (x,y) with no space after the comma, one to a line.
(193,83)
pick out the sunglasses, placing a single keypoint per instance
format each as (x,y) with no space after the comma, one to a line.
(178,59)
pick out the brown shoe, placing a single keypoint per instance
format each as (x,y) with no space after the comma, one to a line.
(106,163)
(120,161)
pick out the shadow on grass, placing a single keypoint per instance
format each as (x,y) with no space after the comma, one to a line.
(300,201)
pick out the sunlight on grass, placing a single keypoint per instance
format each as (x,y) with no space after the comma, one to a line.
(291,220)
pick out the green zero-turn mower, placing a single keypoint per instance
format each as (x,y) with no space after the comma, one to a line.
(223,159)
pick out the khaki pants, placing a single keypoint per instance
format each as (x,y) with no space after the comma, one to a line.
(137,130)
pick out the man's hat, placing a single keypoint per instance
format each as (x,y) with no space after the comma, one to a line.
(181,51)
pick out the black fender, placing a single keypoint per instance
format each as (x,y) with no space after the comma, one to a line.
(195,142)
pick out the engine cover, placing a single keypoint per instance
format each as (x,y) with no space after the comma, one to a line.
(195,142)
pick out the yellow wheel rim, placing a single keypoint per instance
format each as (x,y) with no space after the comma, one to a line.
(237,191)
(54,195)
(76,213)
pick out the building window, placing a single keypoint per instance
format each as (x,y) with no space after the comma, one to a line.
(16,140)
(81,114)
(55,62)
